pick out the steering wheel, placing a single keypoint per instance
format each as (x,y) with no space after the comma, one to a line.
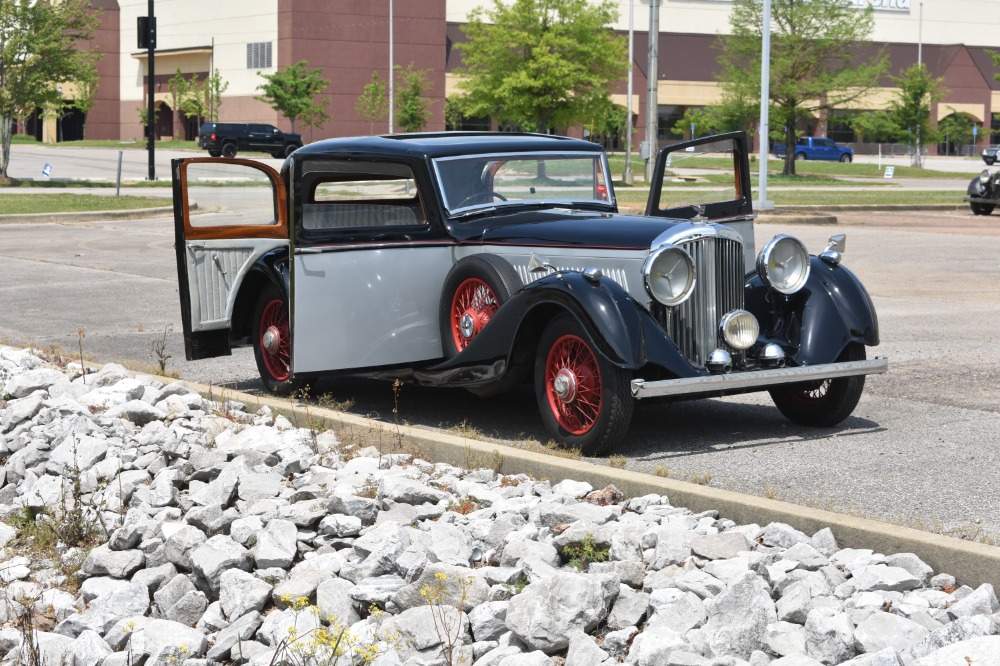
(485,196)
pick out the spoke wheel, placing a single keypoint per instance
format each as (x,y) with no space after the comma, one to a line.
(826,403)
(473,292)
(584,399)
(272,343)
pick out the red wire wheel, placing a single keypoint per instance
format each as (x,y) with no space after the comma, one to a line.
(584,399)
(272,343)
(573,385)
(475,288)
(473,305)
(276,352)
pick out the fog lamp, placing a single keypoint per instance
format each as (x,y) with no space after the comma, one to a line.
(739,329)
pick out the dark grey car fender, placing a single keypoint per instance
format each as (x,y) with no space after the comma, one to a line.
(832,310)
(619,328)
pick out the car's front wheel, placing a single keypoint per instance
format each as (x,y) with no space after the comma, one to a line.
(272,344)
(989,160)
(229,150)
(845,158)
(214,153)
(825,403)
(289,149)
(585,400)
(981,209)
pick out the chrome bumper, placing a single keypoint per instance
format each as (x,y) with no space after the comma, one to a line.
(757,379)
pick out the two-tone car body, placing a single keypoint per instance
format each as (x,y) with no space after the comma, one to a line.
(488,260)
(983,193)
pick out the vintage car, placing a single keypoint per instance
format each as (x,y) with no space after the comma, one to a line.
(983,194)
(488,260)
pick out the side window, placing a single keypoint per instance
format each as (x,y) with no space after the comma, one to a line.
(802,142)
(348,195)
(236,195)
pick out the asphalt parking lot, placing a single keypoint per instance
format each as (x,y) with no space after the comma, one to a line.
(921,448)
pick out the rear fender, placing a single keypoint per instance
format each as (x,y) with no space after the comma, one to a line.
(832,310)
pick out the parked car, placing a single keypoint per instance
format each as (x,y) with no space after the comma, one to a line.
(990,154)
(227,139)
(983,193)
(488,260)
(812,148)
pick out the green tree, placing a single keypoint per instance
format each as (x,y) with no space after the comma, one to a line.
(911,110)
(411,105)
(607,122)
(704,119)
(372,103)
(875,126)
(543,62)
(180,88)
(193,105)
(292,92)
(815,62)
(38,52)
(86,94)
(215,85)
(955,129)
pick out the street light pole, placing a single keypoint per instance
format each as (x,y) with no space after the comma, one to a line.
(627,176)
(765,100)
(652,99)
(391,102)
(151,109)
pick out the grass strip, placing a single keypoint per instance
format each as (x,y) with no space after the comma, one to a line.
(21,204)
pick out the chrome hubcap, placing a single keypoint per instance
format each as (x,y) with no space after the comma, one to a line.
(467,325)
(271,339)
(564,385)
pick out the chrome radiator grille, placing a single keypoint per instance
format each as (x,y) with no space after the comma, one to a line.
(694,324)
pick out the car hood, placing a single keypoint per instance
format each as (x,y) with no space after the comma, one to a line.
(575,228)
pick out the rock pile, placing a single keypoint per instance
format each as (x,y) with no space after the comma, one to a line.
(235,537)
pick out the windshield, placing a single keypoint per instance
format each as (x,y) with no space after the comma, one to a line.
(475,182)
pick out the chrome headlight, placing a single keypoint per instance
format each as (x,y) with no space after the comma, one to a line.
(739,329)
(669,275)
(783,264)
(984,176)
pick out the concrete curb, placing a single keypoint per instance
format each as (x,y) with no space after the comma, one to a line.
(971,563)
(88,216)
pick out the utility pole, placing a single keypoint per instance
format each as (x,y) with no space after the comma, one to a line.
(627,176)
(652,99)
(392,104)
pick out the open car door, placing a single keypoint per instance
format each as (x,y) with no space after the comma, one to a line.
(227,214)
(706,179)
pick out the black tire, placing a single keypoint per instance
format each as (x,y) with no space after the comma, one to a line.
(229,150)
(593,408)
(846,159)
(981,209)
(825,403)
(800,157)
(271,312)
(474,290)
(289,149)
(214,153)
(989,160)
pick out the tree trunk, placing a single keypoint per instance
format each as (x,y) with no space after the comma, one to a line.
(5,134)
(790,123)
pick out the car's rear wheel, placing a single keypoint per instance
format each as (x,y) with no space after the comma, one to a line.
(800,156)
(845,158)
(272,343)
(826,403)
(981,209)
(229,150)
(474,290)
(214,153)
(585,400)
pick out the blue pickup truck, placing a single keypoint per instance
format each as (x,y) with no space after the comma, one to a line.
(813,148)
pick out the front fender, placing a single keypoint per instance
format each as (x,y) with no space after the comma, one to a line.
(620,329)
(816,323)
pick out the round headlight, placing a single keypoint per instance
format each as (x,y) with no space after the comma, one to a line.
(739,329)
(783,264)
(669,275)
(984,176)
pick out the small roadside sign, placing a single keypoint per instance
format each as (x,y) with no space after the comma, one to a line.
(47,170)
(888,172)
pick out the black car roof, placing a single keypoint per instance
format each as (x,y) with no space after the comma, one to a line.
(445,144)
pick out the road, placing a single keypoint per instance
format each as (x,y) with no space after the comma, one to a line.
(921,448)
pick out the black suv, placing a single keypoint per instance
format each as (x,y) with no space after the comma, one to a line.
(226,139)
